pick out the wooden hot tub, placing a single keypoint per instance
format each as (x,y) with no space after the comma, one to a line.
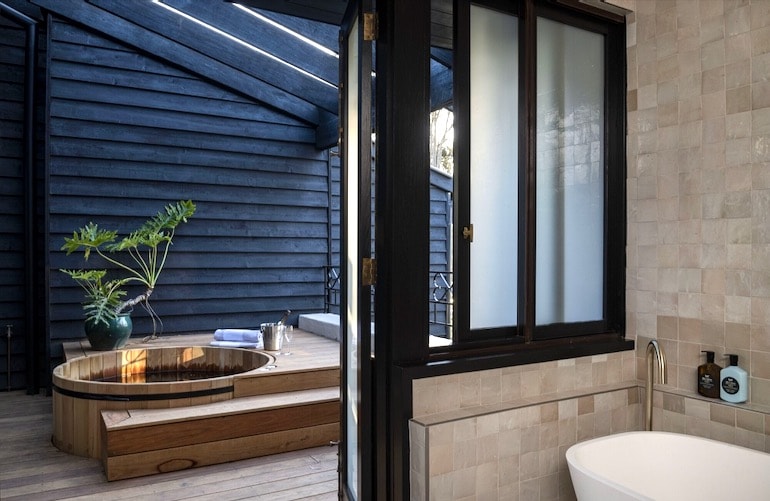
(118,380)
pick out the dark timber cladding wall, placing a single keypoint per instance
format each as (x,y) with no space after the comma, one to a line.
(441,206)
(11,201)
(130,133)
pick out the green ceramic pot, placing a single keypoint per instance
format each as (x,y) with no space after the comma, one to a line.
(109,337)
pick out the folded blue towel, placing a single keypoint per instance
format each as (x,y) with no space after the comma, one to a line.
(237,344)
(242,335)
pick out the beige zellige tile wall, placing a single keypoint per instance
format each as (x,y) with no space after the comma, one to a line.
(502,434)
(698,273)
(699,184)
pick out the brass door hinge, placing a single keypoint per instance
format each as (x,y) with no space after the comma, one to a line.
(468,232)
(368,271)
(370,26)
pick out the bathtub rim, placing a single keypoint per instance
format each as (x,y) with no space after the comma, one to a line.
(574,463)
(571,451)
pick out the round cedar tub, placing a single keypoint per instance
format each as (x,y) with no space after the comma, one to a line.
(80,392)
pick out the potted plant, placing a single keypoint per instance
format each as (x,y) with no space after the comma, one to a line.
(141,257)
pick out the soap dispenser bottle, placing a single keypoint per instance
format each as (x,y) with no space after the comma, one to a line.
(733,382)
(709,376)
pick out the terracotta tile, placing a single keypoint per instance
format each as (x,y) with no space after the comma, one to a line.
(463,483)
(760,337)
(585,428)
(697,408)
(737,20)
(440,459)
(759,67)
(750,439)
(760,15)
(722,432)
(668,68)
(690,329)
(673,403)
(738,311)
(738,74)
(760,365)
(750,420)
(712,54)
(710,9)
(760,311)
(713,80)
(724,414)
(760,41)
(738,125)
(690,109)
(738,99)
(631,100)
(737,47)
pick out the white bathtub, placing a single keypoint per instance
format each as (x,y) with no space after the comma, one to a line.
(651,465)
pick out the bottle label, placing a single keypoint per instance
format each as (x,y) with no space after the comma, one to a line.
(730,385)
(706,382)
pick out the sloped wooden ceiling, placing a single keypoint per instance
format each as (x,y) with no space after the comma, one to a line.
(223,42)
(326,11)
(243,47)
(331,11)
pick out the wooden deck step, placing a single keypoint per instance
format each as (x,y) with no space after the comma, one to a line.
(280,382)
(149,441)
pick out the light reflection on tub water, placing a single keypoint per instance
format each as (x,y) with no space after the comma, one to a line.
(651,465)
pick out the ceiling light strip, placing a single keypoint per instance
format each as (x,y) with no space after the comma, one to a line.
(240,41)
(291,32)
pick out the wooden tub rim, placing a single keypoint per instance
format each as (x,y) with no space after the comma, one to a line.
(80,387)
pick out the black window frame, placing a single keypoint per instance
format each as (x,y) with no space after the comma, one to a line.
(608,334)
(402,240)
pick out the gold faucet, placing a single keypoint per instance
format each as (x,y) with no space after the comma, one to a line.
(654,350)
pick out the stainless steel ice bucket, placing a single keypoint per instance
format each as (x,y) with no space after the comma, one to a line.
(272,336)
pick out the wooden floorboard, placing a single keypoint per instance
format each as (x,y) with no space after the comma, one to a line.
(31,468)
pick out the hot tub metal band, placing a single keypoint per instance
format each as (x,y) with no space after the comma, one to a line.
(140,398)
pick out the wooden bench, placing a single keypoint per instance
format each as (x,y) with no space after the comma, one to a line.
(148,441)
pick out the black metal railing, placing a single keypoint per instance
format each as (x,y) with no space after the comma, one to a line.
(441,303)
(332,289)
(441,299)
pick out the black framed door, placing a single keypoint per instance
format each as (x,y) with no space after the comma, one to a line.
(356,355)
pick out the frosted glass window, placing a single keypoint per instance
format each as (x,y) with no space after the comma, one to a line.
(494,168)
(570,174)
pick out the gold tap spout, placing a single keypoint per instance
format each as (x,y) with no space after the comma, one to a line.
(654,351)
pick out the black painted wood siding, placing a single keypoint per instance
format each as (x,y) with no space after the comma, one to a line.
(440,220)
(441,214)
(129,133)
(11,203)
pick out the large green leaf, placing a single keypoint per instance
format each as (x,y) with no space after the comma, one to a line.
(90,237)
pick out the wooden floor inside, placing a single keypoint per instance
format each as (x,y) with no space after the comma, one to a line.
(33,469)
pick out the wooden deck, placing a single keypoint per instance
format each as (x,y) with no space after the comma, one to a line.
(309,351)
(31,468)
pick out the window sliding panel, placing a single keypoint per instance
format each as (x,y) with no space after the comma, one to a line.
(494,117)
(570,174)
